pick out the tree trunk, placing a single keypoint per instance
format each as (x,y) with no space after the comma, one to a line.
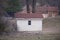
(28,9)
(33,6)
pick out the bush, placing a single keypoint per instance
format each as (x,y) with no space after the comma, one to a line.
(2,28)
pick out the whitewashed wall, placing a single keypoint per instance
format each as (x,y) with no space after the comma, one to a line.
(36,25)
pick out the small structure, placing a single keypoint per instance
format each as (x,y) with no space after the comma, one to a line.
(32,21)
(46,9)
(29,22)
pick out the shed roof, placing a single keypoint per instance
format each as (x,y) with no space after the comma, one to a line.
(28,15)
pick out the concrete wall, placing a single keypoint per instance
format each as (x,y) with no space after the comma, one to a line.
(36,25)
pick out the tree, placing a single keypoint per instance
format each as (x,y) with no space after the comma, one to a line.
(27,3)
(33,6)
(11,6)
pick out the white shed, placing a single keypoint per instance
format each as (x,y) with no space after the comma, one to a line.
(29,22)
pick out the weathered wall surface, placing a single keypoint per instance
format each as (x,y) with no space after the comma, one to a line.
(36,25)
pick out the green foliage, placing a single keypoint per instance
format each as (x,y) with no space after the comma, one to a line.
(2,27)
(13,6)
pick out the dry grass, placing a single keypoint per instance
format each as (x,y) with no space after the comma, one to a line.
(26,36)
